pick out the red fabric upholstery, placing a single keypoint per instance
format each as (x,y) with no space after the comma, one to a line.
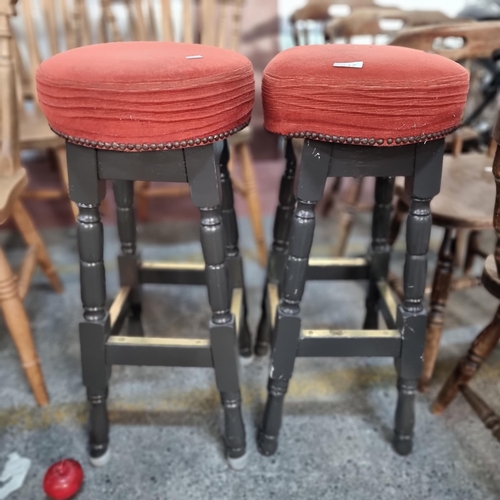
(400,95)
(146,93)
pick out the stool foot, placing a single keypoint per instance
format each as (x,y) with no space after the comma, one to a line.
(403,445)
(238,463)
(267,445)
(245,340)
(101,460)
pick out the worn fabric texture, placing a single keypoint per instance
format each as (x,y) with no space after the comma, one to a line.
(146,92)
(397,93)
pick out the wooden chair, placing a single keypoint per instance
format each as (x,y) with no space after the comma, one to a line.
(61,26)
(13,180)
(210,22)
(486,341)
(465,202)
(316,12)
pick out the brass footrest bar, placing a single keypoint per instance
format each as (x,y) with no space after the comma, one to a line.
(158,351)
(118,309)
(337,268)
(173,273)
(344,343)
(388,304)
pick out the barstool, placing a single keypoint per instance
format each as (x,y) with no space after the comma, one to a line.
(153,111)
(362,111)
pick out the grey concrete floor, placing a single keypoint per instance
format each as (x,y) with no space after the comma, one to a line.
(166,422)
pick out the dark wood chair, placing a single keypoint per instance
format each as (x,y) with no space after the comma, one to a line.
(465,202)
(487,340)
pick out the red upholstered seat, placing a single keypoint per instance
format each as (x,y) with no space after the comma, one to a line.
(146,95)
(399,95)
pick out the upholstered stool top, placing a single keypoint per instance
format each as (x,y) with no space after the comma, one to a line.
(363,94)
(137,96)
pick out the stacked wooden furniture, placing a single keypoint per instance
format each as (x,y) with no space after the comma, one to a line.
(210,22)
(465,202)
(487,340)
(60,26)
(13,181)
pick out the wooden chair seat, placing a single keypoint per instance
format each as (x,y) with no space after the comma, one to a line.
(467,195)
(35,132)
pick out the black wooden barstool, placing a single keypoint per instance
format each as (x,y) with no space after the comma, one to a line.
(362,111)
(153,111)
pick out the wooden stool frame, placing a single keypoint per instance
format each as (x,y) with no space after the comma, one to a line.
(290,267)
(205,169)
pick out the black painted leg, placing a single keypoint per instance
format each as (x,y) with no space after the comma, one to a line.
(412,318)
(129,261)
(379,252)
(95,329)
(311,182)
(232,250)
(277,257)
(203,175)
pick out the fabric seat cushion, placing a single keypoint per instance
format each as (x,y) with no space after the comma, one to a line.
(146,95)
(399,95)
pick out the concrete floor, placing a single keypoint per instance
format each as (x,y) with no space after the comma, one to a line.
(166,422)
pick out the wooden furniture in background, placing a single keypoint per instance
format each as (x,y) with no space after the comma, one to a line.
(37,35)
(13,180)
(210,22)
(463,204)
(486,341)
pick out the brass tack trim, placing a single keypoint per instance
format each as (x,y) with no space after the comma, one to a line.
(114,146)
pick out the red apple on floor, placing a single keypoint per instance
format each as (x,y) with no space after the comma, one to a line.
(63,479)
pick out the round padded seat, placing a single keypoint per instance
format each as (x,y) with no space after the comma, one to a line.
(138,96)
(397,96)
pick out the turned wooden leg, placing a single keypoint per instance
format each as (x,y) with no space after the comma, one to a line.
(347,217)
(19,328)
(32,238)
(411,318)
(252,198)
(204,179)
(62,165)
(489,418)
(379,251)
(467,367)
(473,249)
(331,198)
(277,257)
(312,178)
(235,262)
(439,297)
(397,219)
(129,261)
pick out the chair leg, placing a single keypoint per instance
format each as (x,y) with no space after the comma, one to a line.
(473,249)
(347,216)
(331,197)
(312,178)
(466,368)
(232,250)
(439,297)
(129,261)
(379,252)
(397,219)
(204,185)
(490,419)
(252,198)
(62,165)
(411,318)
(277,257)
(19,328)
(32,238)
